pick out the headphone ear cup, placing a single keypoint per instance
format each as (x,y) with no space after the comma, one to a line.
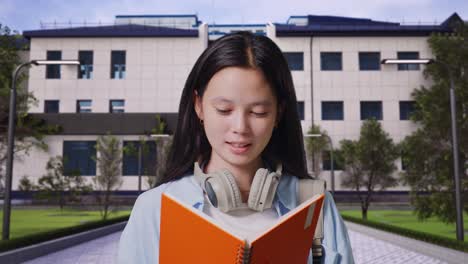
(227,192)
(256,190)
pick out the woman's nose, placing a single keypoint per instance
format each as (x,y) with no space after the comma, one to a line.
(240,124)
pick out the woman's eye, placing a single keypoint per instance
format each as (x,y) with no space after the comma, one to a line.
(260,114)
(222,111)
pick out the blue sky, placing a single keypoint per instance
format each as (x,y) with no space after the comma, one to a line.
(27,14)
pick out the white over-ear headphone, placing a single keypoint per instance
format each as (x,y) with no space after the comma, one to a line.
(223,192)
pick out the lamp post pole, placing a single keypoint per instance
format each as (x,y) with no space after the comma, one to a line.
(10,149)
(11,140)
(458,199)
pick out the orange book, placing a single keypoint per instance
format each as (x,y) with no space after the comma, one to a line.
(190,236)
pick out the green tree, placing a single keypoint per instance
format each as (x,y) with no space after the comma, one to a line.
(26,185)
(58,186)
(315,147)
(369,163)
(427,152)
(29,131)
(109,178)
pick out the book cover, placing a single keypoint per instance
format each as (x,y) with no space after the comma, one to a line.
(190,236)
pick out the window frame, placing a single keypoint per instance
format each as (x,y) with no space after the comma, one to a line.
(53,71)
(118,68)
(323,54)
(379,103)
(46,106)
(330,103)
(291,57)
(362,60)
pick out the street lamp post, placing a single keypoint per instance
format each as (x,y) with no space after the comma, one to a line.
(11,139)
(332,169)
(453,114)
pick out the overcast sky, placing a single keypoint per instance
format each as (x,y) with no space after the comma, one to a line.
(27,14)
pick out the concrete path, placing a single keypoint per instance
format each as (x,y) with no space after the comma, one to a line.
(369,246)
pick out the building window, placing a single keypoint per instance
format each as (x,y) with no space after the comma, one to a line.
(116,106)
(330,61)
(332,110)
(326,161)
(51,106)
(131,155)
(406,55)
(83,106)
(300,109)
(369,61)
(53,71)
(406,109)
(118,64)
(79,157)
(295,60)
(371,110)
(85,71)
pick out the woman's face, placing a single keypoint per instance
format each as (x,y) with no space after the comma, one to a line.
(239,112)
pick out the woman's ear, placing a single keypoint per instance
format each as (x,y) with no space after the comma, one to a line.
(198,105)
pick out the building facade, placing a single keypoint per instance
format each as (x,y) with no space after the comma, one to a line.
(137,68)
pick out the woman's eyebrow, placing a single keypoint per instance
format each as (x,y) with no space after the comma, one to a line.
(224,100)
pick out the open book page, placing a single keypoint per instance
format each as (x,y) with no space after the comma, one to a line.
(243,222)
(251,225)
(291,239)
(189,236)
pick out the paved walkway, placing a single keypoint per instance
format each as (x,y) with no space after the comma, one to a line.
(369,246)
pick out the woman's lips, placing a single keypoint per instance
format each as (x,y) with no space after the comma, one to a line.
(238,148)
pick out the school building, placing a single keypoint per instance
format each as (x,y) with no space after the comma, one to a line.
(136,68)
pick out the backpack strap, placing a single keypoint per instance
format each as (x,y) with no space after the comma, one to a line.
(307,189)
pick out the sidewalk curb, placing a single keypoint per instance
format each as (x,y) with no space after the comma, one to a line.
(435,251)
(48,247)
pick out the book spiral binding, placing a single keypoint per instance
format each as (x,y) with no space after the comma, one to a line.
(243,254)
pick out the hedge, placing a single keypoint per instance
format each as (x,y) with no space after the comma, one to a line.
(28,240)
(434,239)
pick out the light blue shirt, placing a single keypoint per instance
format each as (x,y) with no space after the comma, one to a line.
(139,242)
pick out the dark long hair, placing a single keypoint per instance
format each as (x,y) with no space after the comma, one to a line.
(246,50)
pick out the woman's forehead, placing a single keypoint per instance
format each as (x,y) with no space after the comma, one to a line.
(222,99)
(234,83)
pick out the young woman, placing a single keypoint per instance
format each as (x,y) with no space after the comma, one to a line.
(237,114)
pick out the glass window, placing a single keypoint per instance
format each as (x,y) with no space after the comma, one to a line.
(118,64)
(330,61)
(295,60)
(371,110)
(369,61)
(83,106)
(332,110)
(406,109)
(116,106)
(131,155)
(53,71)
(85,71)
(79,157)
(407,55)
(300,109)
(51,106)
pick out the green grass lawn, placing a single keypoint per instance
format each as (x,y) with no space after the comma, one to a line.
(406,219)
(30,221)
